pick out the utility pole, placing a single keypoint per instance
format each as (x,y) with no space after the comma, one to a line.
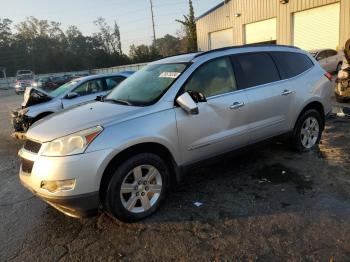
(154,30)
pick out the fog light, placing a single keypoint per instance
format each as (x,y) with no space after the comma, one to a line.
(57,186)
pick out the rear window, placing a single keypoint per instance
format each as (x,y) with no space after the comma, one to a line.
(291,64)
(254,69)
(332,53)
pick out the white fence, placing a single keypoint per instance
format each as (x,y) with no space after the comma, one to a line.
(133,67)
(10,81)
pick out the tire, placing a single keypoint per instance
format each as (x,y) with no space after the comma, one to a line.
(339,99)
(338,67)
(132,205)
(306,138)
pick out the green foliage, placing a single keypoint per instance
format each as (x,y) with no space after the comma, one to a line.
(189,23)
(143,53)
(169,45)
(43,47)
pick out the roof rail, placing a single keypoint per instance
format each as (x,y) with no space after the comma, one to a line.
(242,46)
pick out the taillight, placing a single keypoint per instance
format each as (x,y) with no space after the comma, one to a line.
(329,76)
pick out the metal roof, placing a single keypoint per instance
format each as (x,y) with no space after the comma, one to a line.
(212,9)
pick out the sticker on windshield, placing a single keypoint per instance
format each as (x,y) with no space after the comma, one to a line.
(169,74)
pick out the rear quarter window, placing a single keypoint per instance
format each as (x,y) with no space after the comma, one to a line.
(291,64)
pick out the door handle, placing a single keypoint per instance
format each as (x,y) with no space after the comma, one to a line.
(237,105)
(287,92)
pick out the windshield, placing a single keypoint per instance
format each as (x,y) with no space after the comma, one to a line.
(25,77)
(63,88)
(148,85)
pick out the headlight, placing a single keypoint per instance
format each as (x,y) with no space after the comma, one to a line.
(72,144)
(35,84)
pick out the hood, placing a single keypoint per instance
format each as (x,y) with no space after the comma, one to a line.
(34,96)
(79,118)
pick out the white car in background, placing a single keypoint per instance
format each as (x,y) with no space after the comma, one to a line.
(329,59)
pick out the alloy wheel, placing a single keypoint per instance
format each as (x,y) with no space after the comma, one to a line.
(141,188)
(309,132)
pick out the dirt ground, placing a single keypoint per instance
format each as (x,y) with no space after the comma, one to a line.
(270,204)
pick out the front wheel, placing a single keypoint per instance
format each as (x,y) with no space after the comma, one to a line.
(137,187)
(308,130)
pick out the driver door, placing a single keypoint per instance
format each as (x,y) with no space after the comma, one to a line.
(222,123)
(86,92)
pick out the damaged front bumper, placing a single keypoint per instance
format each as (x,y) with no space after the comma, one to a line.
(20,121)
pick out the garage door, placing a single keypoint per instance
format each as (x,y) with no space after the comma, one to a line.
(221,38)
(317,28)
(261,32)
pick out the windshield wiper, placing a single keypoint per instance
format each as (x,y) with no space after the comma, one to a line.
(118,101)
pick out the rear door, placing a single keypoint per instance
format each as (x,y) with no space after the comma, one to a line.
(86,91)
(221,124)
(269,98)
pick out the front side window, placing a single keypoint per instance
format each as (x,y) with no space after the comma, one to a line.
(90,87)
(148,85)
(254,69)
(213,78)
(291,64)
(64,88)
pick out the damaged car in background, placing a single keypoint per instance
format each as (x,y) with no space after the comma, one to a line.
(38,103)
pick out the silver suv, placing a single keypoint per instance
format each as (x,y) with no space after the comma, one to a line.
(125,152)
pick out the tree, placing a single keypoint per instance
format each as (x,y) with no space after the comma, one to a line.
(168,45)
(110,37)
(189,23)
(143,53)
(5,31)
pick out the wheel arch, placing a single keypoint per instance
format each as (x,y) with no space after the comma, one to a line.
(146,147)
(317,105)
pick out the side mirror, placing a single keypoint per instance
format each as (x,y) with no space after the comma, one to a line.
(99,98)
(71,95)
(186,102)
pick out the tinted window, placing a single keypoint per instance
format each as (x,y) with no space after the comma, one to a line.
(254,69)
(291,64)
(331,53)
(114,81)
(322,55)
(213,78)
(90,87)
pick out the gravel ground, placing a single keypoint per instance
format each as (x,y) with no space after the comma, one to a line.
(270,204)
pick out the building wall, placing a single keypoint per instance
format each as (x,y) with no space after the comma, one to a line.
(257,10)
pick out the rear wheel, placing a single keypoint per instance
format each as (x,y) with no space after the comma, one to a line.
(338,67)
(308,130)
(137,187)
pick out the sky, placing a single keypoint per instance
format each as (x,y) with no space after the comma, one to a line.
(132,16)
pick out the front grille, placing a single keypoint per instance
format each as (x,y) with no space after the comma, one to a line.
(27,165)
(24,84)
(32,146)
